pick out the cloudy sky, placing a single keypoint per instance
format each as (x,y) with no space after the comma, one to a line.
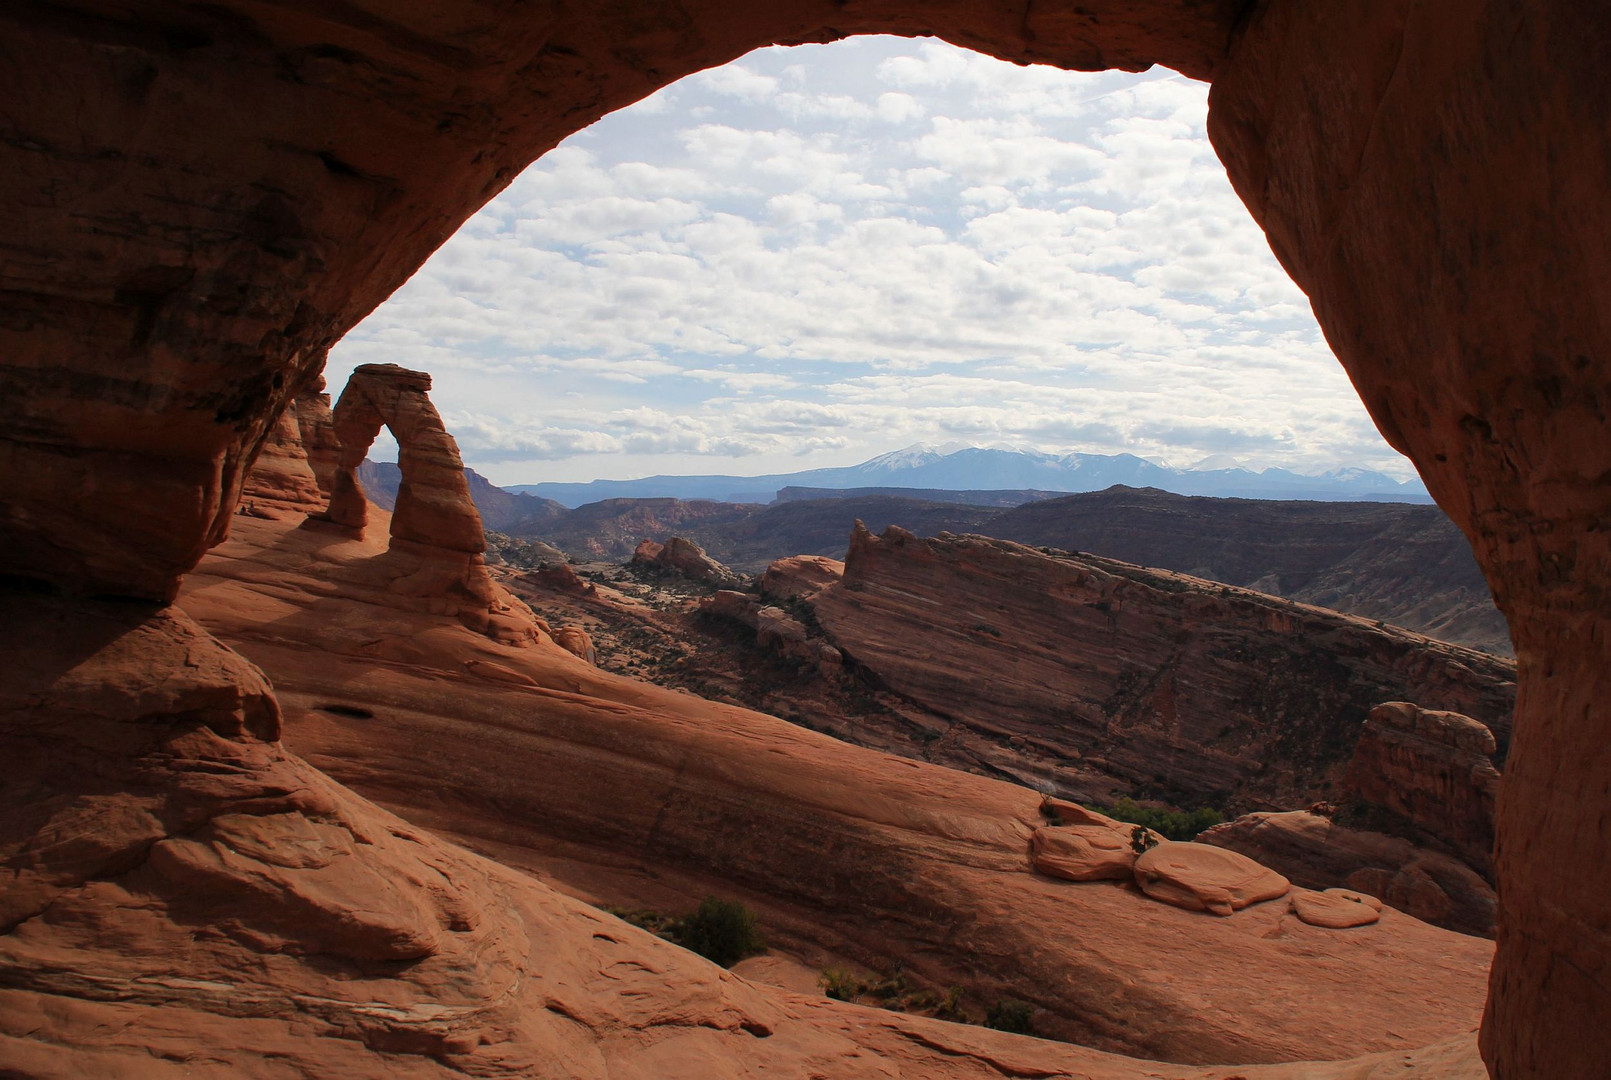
(818,254)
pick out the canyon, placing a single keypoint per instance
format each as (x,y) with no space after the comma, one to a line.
(1404,564)
(200,200)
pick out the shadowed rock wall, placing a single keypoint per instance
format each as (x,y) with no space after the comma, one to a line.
(197,201)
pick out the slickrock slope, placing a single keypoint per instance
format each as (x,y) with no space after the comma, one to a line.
(185,898)
(1109,678)
(625,793)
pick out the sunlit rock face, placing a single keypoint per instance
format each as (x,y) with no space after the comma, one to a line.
(196,202)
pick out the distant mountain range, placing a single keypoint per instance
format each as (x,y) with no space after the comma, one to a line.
(1403,563)
(980,469)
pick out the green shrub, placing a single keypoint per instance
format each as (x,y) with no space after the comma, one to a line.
(841,984)
(951,1007)
(722,931)
(1171,824)
(1010,1015)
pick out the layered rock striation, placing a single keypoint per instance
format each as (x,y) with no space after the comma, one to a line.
(1115,680)
(1433,769)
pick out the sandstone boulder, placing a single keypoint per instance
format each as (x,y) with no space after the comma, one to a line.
(778,630)
(1334,909)
(732,604)
(575,640)
(562,577)
(682,556)
(1064,812)
(1083,853)
(1202,878)
(800,576)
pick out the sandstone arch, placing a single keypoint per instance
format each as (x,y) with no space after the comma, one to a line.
(195,203)
(434,508)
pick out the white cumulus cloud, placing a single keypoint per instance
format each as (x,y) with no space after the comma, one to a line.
(817,254)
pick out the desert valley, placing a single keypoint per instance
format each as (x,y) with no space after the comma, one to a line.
(313,765)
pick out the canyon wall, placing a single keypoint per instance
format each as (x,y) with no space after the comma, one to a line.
(1110,679)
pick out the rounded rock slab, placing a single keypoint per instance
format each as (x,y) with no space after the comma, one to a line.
(1082,853)
(1334,909)
(1198,877)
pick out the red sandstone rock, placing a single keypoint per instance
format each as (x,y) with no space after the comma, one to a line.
(682,557)
(191,223)
(732,604)
(1434,769)
(800,576)
(1333,909)
(1201,878)
(562,577)
(1357,897)
(1083,853)
(434,508)
(1317,853)
(316,430)
(435,553)
(575,640)
(829,843)
(1117,676)
(281,474)
(774,628)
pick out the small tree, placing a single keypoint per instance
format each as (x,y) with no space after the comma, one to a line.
(1010,1015)
(722,931)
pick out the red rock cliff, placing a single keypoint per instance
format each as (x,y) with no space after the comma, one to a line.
(1115,676)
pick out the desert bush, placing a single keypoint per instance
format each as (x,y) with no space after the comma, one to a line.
(1010,1015)
(722,931)
(951,1007)
(1171,824)
(841,984)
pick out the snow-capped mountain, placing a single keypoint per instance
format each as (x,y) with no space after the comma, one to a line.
(972,468)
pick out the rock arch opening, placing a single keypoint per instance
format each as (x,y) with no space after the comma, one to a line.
(825,252)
